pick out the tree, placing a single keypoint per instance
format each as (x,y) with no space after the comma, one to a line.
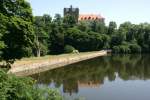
(129,30)
(135,48)
(112,28)
(42,27)
(3,29)
(17,32)
(98,26)
(69,21)
(56,39)
(85,41)
(19,8)
(58,19)
(83,26)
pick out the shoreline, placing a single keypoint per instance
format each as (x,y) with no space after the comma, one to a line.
(28,67)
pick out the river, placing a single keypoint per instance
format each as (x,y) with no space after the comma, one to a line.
(112,77)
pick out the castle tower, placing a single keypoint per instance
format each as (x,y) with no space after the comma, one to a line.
(72,11)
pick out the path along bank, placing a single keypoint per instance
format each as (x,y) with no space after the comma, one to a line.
(31,66)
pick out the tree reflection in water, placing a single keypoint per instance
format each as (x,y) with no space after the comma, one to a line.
(92,73)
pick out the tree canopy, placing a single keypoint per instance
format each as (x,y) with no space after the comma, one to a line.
(16,29)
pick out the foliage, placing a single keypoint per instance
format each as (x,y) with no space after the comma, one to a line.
(27,52)
(112,28)
(16,88)
(85,41)
(135,48)
(69,21)
(22,35)
(42,28)
(19,35)
(136,37)
(16,30)
(83,26)
(97,26)
(68,49)
(56,38)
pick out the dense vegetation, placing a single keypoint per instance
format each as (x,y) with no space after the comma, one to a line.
(15,88)
(16,29)
(17,40)
(23,35)
(91,35)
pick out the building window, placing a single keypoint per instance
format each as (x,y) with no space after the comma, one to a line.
(89,18)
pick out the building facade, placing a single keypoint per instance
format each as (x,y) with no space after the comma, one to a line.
(82,17)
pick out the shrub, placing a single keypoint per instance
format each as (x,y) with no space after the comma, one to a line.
(121,49)
(27,52)
(16,88)
(124,49)
(69,49)
(116,49)
(43,49)
(135,48)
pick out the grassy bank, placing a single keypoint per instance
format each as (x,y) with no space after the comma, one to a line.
(28,66)
(48,57)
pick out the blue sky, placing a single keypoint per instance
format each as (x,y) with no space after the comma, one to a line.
(135,11)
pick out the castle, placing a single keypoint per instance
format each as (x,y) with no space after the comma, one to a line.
(82,17)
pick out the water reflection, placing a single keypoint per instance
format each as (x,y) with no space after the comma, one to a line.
(92,73)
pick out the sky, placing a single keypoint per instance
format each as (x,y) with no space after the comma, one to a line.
(135,11)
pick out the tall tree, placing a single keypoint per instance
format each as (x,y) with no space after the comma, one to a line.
(42,27)
(56,35)
(98,26)
(112,28)
(18,31)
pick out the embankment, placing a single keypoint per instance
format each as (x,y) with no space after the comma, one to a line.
(29,66)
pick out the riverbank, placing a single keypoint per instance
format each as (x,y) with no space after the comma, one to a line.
(29,66)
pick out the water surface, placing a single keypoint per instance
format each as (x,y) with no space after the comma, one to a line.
(113,77)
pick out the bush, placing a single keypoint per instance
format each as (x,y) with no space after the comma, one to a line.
(27,52)
(16,88)
(43,49)
(121,49)
(116,49)
(124,49)
(135,48)
(69,49)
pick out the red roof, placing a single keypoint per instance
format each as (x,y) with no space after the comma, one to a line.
(90,17)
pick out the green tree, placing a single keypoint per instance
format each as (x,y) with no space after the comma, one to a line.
(69,21)
(58,19)
(98,26)
(42,28)
(56,39)
(17,29)
(112,28)
(83,26)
